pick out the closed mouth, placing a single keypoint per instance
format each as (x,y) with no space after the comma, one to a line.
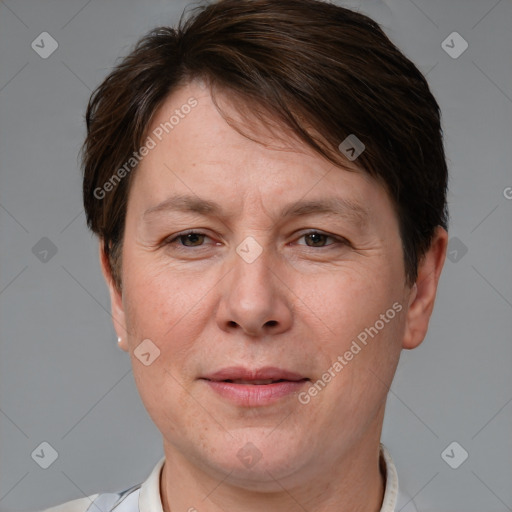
(259,382)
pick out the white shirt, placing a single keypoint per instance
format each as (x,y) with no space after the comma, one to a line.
(146,497)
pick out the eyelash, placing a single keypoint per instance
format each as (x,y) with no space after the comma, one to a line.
(175,238)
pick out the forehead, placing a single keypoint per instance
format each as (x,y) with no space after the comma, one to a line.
(197,153)
(211,126)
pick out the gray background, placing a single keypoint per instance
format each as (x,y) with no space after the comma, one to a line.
(64,381)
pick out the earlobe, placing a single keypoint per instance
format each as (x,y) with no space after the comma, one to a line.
(116,300)
(423,292)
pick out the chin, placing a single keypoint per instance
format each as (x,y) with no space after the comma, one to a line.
(266,476)
(255,461)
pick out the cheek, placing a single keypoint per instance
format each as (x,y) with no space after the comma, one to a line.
(168,403)
(169,310)
(364,319)
(162,301)
(347,303)
(165,307)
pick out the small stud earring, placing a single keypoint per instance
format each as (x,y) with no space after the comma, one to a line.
(119,339)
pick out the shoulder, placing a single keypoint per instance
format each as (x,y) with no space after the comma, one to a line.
(80,505)
(148,492)
(126,501)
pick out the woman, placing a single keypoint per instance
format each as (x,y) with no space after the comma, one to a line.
(268,185)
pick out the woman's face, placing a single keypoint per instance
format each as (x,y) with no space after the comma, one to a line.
(255,295)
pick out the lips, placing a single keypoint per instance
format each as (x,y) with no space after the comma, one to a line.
(260,376)
(254,382)
(260,387)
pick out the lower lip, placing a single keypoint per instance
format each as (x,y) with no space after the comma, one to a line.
(252,395)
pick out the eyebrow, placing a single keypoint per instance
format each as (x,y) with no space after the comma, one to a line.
(332,206)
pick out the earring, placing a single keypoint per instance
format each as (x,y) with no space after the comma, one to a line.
(119,339)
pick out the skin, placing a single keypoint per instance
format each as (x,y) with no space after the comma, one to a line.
(298,306)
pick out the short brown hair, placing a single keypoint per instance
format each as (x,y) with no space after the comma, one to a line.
(296,60)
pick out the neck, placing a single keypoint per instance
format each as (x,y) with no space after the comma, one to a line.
(354,484)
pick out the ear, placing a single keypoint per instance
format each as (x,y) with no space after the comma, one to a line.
(116,300)
(423,292)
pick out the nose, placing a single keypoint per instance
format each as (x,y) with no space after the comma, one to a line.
(253,298)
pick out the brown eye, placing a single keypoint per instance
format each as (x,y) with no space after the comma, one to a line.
(188,239)
(317,239)
(191,239)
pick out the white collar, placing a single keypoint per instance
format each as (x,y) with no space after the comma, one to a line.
(150,500)
(149,497)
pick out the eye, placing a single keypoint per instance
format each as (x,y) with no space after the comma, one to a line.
(193,238)
(318,239)
(187,239)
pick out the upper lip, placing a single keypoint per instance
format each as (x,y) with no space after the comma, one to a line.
(247,374)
